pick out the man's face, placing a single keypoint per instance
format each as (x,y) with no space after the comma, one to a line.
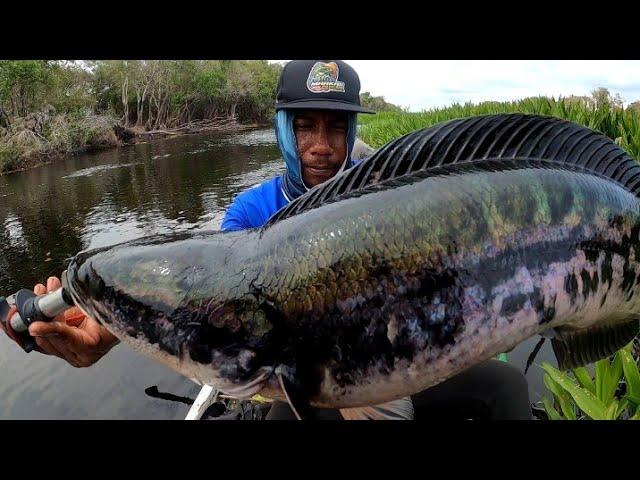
(322,143)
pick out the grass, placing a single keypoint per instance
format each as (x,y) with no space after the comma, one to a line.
(35,139)
(622,126)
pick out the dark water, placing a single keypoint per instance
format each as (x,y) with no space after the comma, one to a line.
(50,213)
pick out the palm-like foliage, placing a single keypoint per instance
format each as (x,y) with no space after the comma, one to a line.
(612,392)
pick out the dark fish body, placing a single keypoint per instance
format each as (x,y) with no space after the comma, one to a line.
(448,246)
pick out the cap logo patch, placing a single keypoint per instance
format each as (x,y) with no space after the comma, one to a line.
(323,78)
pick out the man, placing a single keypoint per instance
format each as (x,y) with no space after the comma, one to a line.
(316,107)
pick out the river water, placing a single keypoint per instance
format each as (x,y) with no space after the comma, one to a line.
(49,213)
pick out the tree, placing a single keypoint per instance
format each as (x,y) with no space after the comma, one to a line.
(634,107)
(237,86)
(149,94)
(602,98)
(263,89)
(71,89)
(377,104)
(209,83)
(111,84)
(583,100)
(23,85)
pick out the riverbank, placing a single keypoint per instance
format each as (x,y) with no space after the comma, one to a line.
(621,125)
(43,138)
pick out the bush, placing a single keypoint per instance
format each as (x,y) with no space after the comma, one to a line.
(8,158)
(35,137)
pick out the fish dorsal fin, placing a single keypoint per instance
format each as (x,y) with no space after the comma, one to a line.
(515,138)
(577,348)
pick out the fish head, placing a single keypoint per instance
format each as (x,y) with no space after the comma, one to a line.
(172,298)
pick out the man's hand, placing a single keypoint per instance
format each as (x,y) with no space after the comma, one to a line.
(72,336)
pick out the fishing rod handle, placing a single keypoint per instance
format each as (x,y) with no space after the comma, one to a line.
(38,308)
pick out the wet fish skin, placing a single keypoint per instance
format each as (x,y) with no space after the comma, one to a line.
(380,295)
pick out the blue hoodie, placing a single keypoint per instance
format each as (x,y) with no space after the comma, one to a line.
(252,208)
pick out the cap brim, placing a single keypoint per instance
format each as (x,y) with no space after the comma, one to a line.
(323,105)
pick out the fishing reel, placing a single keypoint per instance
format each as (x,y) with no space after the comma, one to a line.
(24,307)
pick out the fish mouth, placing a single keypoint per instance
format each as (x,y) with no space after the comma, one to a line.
(94,287)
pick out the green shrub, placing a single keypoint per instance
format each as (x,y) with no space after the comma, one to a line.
(8,158)
(39,136)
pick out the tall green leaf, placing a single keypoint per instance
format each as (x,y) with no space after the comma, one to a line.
(563,398)
(613,378)
(602,367)
(633,399)
(586,401)
(552,413)
(583,376)
(622,406)
(612,411)
(631,373)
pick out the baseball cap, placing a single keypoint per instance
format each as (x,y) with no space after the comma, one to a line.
(319,84)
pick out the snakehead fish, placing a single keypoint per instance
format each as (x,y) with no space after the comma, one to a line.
(448,246)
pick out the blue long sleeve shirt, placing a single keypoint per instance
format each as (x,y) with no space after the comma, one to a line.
(253,207)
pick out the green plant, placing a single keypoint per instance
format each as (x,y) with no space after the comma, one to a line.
(31,139)
(622,126)
(612,392)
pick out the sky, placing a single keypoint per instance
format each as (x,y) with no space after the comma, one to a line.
(425,84)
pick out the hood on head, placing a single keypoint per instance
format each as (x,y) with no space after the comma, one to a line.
(293,184)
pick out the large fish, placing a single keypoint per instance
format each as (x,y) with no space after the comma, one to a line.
(448,246)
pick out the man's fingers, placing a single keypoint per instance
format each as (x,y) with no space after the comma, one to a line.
(53,283)
(63,346)
(46,347)
(93,328)
(58,346)
(77,358)
(74,335)
(42,329)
